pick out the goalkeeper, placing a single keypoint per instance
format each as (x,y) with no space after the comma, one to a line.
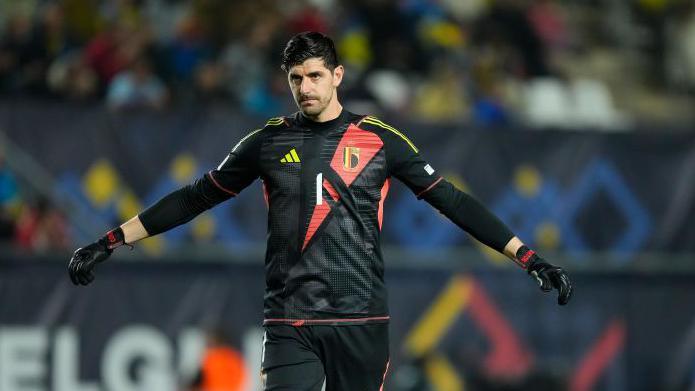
(325,174)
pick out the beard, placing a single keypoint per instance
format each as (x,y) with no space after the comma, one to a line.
(313,110)
(316,106)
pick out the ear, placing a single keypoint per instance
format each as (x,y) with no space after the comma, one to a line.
(338,73)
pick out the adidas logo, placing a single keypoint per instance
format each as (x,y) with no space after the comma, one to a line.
(291,157)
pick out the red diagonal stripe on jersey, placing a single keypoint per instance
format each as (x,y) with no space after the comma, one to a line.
(265,195)
(367,142)
(384,193)
(329,188)
(317,217)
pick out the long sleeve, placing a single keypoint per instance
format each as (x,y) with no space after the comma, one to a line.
(406,164)
(469,214)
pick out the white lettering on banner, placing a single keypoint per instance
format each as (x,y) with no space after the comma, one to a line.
(66,362)
(150,348)
(23,358)
(191,347)
(135,358)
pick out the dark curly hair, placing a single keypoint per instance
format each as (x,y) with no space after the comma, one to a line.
(306,45)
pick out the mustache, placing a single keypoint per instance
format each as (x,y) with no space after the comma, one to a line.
(307,97)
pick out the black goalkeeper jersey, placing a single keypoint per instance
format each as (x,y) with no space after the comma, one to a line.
(325,185)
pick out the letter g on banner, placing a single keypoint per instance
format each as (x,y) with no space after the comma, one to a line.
(153,351)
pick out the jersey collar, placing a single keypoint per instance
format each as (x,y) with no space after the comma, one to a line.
(313,125)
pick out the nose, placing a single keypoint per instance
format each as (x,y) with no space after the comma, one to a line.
(306,87)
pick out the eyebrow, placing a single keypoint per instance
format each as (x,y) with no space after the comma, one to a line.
(310,74)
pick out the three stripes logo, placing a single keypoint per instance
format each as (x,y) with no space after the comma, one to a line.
(291,157)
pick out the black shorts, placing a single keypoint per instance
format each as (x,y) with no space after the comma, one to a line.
(349,358)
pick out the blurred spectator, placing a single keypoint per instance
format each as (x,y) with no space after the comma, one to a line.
(506,28)
(111,51)
(82,18)
(188,49)
(681,58)
(548,21)
(9,200)
(137,88)
(307,18)
(442,96)
(465,10)
(250,74)
(222,368)
(210,81)
(22,58)
(390,88)
(214,50)
(53,34)
(124,12)
(41,228)
(9,194)
(69,76)
(391,35)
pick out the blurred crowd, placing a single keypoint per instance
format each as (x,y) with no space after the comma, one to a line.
(594,64)
(29,222)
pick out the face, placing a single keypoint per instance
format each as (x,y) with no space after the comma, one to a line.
(313,85)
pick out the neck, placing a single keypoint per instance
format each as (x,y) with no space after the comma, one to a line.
(331,112)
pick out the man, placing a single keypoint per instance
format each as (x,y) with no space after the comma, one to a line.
(325,174)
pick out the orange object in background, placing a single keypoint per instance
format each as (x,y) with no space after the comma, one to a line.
(223,370)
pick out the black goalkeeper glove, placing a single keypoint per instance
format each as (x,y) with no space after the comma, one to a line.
(549,277)
(85,258)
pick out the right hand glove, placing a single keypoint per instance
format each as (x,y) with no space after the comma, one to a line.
(548,276)
(84,259)
(551,277)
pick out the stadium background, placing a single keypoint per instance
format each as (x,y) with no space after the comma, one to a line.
(572,120)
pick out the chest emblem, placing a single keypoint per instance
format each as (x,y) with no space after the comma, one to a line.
(351,158)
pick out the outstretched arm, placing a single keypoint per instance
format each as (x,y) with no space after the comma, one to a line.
(235,173)
(477,220)
(406,164)
(179,207)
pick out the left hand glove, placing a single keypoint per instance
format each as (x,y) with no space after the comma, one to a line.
(84,260)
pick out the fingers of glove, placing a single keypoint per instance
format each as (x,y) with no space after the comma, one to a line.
(542,281)
(85,277)
(561,282)
(565,290)
(547,286)
(79,254)
(73,268)
(558,277)
(73,274)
